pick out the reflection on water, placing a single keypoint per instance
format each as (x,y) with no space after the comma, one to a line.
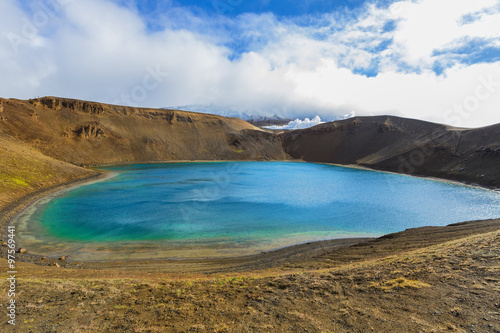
(235,208)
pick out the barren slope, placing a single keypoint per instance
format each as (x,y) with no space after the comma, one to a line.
(427,279)
(90,133)
(446,285)
(404,146)
(24,170)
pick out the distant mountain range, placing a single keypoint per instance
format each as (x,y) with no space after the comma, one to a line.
(259,119)
(229,112)
(297,124)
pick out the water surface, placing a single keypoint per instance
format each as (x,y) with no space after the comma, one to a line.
(181,210)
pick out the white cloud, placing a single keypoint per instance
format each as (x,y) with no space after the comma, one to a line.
(100,51)
(298,124)
(428,25)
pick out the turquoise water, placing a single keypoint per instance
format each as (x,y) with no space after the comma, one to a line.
(257,205)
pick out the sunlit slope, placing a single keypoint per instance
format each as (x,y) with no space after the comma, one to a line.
(24,170)
(89,133)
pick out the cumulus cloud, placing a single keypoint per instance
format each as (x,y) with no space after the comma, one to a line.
(400,60)
(298,124)
(429,25)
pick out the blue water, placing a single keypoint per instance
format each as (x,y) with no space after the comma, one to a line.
(250,203)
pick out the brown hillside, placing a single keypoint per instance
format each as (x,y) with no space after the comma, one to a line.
(432,279)
(404,146)
(24,170)
(88,133)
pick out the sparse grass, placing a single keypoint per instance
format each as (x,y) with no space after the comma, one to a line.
(13,180)
(401,292)
(235,279)
(399,283)
(25,170)
(478,286)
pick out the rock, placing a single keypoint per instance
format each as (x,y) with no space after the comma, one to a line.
(57,104)
(43,258)
(21,250)
(55,264)
(4,244)
(89,131)
(63,258)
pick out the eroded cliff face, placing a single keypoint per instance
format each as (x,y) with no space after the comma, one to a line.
(89,133)
(2,114)
(75,105)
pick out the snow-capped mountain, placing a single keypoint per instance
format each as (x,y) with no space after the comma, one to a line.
(254,117)
(298,124)
(258,118)
(226,111)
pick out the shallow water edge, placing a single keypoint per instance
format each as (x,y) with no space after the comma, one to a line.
(149,250)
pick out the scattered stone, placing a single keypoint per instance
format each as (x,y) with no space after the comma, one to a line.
(43,258)
(63,258)
(21,250)
(4,244)
(55,264)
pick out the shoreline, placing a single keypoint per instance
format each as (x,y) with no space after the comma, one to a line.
(348,166)
(436,179)
(14,209)
(11,210)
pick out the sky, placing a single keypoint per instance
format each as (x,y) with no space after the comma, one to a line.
(435,60)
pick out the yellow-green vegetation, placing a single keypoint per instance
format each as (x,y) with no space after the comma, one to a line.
(12,179)
(24,170)
(399,283)
(349,295)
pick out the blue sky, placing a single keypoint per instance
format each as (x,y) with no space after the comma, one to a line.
(233,8)
(426,59)
(236,7)
(310,13)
